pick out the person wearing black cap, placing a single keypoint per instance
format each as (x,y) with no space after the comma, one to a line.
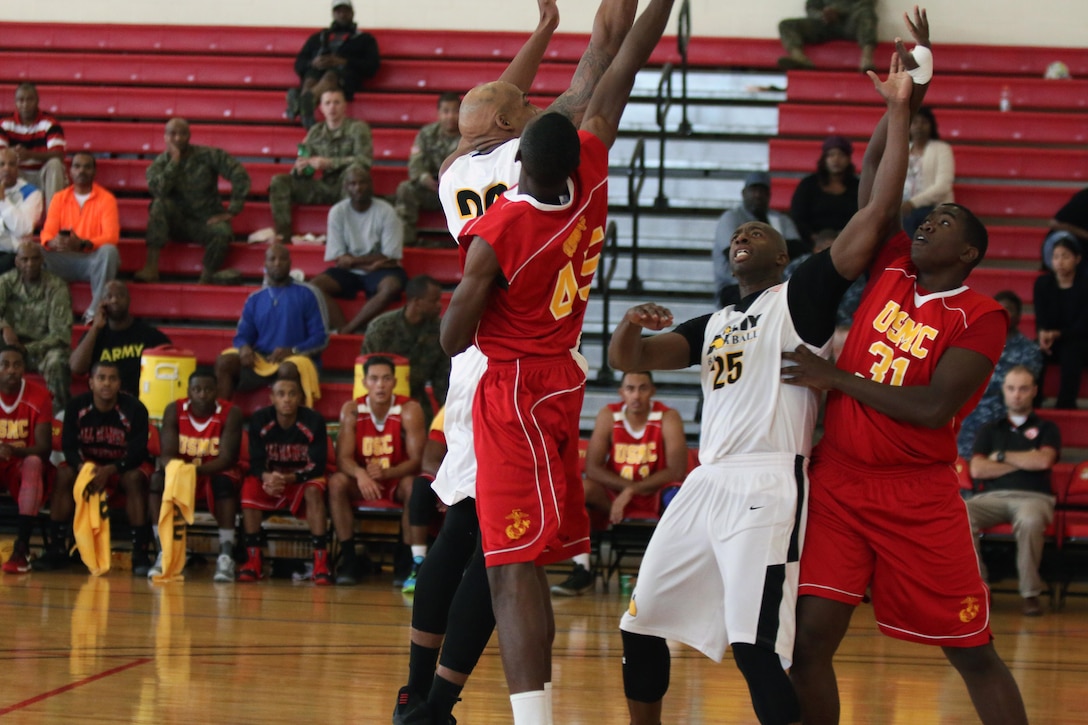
(338,57)
(828,198)
(755,207)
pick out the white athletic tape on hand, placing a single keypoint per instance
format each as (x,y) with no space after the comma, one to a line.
(924,72)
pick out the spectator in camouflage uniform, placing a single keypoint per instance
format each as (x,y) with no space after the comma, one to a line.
(36,316)
(412,333)
(1018,350)
(184,181)
(433,144)
(318,174)
(829,20)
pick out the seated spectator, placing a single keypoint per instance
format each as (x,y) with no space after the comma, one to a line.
(1012,461)
(1061,318)
(366,243)
(185,205)
(930,173)
(339,57)
(318,175)
(109,429)
(755,206)
(37,140)
(207,433)
(26,438)
(36,315)
(1071,222)
(829,20)
(433,144)
(827,199)
(281,332)
(412,333)
(288,450)
(1018,351)
(81,233)
(636,448)
(379,450)
(20,208)
(116,336)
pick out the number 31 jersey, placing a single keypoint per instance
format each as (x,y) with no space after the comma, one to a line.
(548,254)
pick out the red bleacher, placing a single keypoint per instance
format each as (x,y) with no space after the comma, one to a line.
(185,260)
(956,124)
(967,91)
(985,200)
(990,162)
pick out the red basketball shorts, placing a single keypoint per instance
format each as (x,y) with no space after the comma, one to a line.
(528,489)
(904,535)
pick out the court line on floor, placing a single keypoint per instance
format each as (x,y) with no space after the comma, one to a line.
(74,685)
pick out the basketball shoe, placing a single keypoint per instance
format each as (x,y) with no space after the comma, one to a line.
(252,570)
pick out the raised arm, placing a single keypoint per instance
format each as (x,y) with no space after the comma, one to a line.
(855,246)
(919,30)
(522,69)
(610,26)
(602,117)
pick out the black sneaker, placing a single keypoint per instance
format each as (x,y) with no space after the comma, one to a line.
(141,563)
(411,710)
(579,582)
(51,561)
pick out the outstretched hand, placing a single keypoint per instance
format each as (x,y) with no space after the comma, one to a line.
(918,27)
(898,87)
(806,368)
(549,14)
(649,316)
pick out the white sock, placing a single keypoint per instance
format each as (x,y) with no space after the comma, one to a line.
(530,708)
(419,550)
(155,533)
(582,559)
(226,539)
(548,701)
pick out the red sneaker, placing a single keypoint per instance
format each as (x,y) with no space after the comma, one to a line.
(252,570)
(322,575)
(17,564)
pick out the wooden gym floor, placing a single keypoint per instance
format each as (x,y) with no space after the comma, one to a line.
(117,649)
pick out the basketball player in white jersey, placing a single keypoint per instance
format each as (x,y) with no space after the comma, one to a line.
(484,166)
(722,566)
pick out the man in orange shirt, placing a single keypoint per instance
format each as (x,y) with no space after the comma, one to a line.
(81,232)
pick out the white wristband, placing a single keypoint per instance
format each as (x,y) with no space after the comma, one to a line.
(924,72)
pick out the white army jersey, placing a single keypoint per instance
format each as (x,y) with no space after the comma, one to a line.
(475,181)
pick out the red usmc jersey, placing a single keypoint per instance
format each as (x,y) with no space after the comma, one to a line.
(199,439)
(899,334)
(19,417)
(636,457)
(548,255)
(381,441)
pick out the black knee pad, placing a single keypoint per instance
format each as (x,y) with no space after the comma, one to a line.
(421,503)
(443,569)
(773,697)
(646,663)
(471,619)
(223,487)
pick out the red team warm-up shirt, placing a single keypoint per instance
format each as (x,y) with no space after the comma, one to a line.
(540,312)
(198,440)
(19,417)
(899,333)
(385,444)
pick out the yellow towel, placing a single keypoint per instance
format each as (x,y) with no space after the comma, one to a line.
(307,371)
(178,502)
(91,525)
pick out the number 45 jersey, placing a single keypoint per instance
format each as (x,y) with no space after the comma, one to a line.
(548,254)
(746,406)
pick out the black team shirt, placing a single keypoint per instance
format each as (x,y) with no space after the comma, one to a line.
(301,449)
(117,436)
